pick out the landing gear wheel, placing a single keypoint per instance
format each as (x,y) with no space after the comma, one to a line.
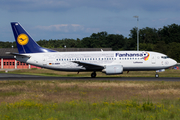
(156,75)
(93,75)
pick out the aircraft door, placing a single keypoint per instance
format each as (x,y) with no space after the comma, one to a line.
(153,59)
(44,61)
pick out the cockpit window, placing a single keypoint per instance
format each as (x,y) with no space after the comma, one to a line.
(164,57)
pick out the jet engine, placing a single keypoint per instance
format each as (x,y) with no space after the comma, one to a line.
(113,69)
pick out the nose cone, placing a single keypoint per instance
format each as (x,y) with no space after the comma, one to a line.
(173,62)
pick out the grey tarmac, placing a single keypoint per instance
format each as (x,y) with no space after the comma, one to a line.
(7,76)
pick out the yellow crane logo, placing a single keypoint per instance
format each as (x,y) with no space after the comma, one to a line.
(22,39)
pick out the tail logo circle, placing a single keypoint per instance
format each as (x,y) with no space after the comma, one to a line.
(22,39)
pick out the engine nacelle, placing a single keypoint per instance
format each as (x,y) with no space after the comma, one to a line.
(113,69)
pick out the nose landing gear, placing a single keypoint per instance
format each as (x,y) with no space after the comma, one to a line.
(156,75)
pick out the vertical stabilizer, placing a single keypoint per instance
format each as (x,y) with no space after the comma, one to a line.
(25,43)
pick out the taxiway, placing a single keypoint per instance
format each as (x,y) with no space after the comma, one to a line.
(7,76)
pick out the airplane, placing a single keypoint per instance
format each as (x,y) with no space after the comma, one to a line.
(108,62)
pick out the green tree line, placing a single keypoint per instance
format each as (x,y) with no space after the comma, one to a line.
(165,40)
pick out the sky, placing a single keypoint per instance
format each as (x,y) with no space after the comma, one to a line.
(60,19)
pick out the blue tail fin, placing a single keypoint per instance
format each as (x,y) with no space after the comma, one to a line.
(25,43)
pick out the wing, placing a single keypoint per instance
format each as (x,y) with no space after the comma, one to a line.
(89,66)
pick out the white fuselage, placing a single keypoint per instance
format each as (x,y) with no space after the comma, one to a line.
(130,60)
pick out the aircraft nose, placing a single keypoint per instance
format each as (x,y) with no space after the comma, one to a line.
(174,62)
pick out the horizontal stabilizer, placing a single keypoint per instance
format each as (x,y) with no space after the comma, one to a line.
(17,54)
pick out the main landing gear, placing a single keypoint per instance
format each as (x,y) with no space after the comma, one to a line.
(156,75)
(93,75)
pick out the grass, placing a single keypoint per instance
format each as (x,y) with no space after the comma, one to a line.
(80,110)
(46,72)
(89,100)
